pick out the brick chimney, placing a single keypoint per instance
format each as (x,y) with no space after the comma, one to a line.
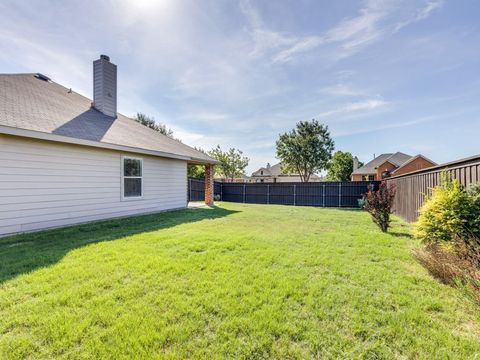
(105,86)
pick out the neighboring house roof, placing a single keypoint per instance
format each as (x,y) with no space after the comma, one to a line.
(412,159)
(274,170)
(448,165)
(38,107)
(397,159)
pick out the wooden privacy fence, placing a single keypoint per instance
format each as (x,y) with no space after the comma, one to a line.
(324,194)
(412,188)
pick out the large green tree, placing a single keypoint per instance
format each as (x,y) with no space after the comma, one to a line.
(196,171)
(232,162)
(341,166)
(305,150)
(150,122)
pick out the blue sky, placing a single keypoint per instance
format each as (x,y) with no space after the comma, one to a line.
(394,75)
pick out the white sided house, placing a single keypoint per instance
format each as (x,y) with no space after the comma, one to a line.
(66,159)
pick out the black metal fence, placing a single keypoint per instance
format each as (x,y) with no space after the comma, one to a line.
(323,194)
(196,189)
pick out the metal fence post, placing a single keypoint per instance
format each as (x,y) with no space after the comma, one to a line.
(323,195)
(189,189)
(339,194)
(294,194)
(221,191)
(268,194)
(244,193)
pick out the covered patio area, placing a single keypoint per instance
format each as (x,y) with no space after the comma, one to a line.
(207,190)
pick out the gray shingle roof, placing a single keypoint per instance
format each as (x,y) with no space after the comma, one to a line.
(275,170)
(29,103)
(397,159)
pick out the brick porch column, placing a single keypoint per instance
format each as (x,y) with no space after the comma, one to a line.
(209,173)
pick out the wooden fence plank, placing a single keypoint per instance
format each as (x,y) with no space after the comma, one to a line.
(412,189)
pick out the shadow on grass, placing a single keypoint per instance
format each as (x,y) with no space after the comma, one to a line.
(400,234)
(26,252)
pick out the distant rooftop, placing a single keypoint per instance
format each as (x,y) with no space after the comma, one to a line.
(397,159)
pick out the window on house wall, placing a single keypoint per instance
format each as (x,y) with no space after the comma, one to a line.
(369,177)
(132,178)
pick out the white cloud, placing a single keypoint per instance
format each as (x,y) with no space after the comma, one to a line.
(365,105)
(454,114)
(341,90)
(279,46)
(428,9)
(420,14)
(300,45)
(188,137)
(395,125)
(68,69)
(210,118)
(373,22)
(362,29)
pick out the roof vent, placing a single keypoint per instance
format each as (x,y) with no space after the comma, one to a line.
(42,77)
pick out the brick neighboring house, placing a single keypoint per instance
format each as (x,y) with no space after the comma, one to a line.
(386,165)
(273,174)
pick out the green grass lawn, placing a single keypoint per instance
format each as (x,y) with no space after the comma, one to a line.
(237,281)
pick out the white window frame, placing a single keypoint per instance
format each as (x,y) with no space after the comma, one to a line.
(123,177)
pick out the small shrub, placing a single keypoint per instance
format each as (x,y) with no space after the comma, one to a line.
(449,224)
(453,265)
(449,212)
(468,248)
(442,262)
(473,192)
(379,204)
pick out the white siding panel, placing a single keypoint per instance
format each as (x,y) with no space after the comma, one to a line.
(46,184)
(53,191)
(10,229)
